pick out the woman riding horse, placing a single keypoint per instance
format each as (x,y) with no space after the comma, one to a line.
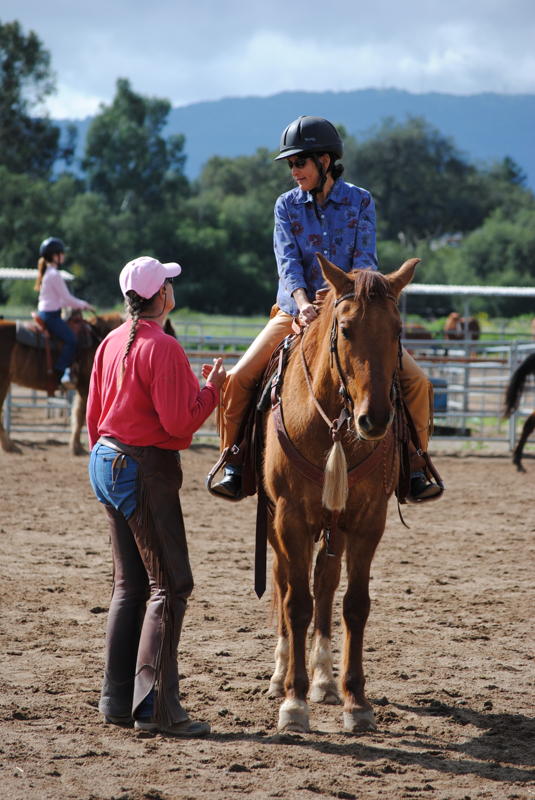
(53,296)
(323,213)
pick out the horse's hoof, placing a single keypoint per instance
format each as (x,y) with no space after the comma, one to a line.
(359,720)
(293,716)
(276,689)
(327,693)
(11,447)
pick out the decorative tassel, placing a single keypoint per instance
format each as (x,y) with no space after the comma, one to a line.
(335,488)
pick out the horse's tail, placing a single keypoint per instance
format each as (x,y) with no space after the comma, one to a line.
(516,384)
(335,486)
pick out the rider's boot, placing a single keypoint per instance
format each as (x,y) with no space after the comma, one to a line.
(421,487)
(231,484)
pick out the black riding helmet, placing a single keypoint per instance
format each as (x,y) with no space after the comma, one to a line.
(310,135)
(51,246)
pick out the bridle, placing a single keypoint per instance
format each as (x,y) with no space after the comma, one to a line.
(346,414)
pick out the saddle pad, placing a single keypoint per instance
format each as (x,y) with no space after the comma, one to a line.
(29,334)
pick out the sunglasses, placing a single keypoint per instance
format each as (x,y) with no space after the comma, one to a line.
(298,162)
(169,280)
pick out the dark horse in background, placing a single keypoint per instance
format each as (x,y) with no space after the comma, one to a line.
(26,365)
(344,370)
(512,399)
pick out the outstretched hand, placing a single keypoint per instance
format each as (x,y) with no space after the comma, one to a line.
(214,373)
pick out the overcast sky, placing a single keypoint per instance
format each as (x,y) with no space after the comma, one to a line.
(208,49)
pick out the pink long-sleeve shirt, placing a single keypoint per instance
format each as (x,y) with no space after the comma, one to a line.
(54,295)
(159,401)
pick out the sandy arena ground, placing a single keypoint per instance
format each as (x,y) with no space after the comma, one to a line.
(449,650)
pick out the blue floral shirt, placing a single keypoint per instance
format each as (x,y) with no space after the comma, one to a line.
(345,234)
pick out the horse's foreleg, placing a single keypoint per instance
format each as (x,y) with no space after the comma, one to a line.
(276,684)
(323,688)
(527,430)
(5,441)
(293,713)
(77,421)
(358,714)
(297,544)
(8,446)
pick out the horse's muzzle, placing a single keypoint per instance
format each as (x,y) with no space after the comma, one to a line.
(371,427)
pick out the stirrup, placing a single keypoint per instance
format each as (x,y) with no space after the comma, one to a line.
(422,489)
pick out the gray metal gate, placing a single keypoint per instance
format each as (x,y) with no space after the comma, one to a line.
(469,380)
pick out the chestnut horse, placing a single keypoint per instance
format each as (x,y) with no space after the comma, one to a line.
(512,399)
(348,358)
(26,366)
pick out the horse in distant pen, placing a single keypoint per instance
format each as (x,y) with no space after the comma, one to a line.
(25,365)
(512,399)
(457,327)
(338,394)
(415,331)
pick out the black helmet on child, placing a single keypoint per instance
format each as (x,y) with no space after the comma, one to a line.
(310,135)
(51,246)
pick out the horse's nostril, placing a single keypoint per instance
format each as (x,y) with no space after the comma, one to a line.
(364,422)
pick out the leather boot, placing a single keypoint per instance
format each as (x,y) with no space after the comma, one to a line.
(230,485)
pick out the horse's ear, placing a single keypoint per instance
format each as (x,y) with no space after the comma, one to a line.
(333,274)
(403,276)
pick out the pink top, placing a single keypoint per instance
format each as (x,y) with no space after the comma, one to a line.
(54,295)
(159,402)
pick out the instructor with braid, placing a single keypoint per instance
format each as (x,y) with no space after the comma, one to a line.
(144,405)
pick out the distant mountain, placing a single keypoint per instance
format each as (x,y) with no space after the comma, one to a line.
(485,127)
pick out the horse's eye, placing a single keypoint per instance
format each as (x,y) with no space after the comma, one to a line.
(346,333)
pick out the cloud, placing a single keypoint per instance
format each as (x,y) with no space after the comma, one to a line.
(193,51)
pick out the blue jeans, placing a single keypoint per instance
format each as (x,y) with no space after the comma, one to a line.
(59,328)
(113,477)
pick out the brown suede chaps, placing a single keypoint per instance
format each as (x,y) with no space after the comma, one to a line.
(152,582)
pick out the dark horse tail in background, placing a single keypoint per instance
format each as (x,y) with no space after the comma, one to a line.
(512,399)
(339,396)
(25,365)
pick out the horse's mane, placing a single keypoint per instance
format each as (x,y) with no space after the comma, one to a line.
(369,283)
(102,324)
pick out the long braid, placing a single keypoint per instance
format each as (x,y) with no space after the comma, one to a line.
(135,305)
(41,269)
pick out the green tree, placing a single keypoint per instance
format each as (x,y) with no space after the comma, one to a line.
(26,217)
(233,200)
(29,143)
(30,210)
(421,183)
(127,158)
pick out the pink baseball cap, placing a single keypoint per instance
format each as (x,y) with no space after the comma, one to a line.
(145,275)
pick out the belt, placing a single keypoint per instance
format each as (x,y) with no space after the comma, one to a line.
(114,444)
(130,449)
